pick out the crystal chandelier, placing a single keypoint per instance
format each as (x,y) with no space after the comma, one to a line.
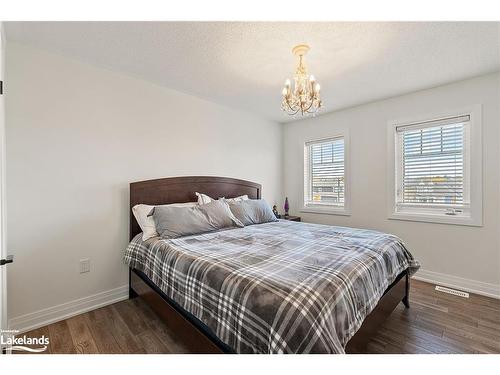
(304,97)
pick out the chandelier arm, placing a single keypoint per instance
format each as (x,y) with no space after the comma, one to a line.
(290,111)
(295,111)
(291,108)
(308,108)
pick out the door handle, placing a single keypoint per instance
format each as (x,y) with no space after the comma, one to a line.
(8,259)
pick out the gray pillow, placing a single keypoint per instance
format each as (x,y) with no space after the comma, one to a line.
(252,211)
(173,222)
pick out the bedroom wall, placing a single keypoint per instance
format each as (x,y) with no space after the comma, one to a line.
(461,256)
(77,135)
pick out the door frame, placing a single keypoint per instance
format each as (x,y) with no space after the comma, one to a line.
(3,270)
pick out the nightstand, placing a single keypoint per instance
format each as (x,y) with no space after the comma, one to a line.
(291,218)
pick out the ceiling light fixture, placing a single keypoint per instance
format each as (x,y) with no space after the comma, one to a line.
(304,97)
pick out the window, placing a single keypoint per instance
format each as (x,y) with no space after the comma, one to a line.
(434,170)
(325,176)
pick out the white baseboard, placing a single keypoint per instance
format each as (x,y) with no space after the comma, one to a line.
(66,310)
(467,285)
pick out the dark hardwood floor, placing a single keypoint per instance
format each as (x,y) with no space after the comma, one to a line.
(435,323)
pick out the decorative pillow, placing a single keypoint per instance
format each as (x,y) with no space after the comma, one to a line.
(204,199)
(173,222)
(252,211)
(145,220)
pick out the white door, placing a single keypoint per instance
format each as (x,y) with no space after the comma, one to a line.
(3,256)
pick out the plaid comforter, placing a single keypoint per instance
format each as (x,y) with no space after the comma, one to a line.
(282,287)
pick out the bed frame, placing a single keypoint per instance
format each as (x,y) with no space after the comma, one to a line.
(193,333)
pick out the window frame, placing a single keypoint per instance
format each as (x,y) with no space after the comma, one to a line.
(472,171)
(326,208)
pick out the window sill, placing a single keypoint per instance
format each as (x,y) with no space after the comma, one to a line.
(436,218)
(326,211)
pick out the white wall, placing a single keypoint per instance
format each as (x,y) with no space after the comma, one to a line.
(462,256)
(77,135)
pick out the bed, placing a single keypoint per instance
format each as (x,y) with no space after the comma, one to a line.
(279,287)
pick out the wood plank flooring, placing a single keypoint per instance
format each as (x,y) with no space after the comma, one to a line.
(435,323)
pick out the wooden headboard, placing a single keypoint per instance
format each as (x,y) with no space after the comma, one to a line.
(182,189)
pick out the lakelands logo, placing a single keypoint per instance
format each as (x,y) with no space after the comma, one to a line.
(10,340)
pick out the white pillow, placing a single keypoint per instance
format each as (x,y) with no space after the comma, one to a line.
(147,224)
(204,199)
(237,199)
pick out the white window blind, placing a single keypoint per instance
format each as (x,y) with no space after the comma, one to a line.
(324,179)
(432,163)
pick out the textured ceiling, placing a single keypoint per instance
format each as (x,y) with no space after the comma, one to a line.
(244,64)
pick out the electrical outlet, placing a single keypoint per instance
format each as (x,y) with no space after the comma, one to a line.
(84,265)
